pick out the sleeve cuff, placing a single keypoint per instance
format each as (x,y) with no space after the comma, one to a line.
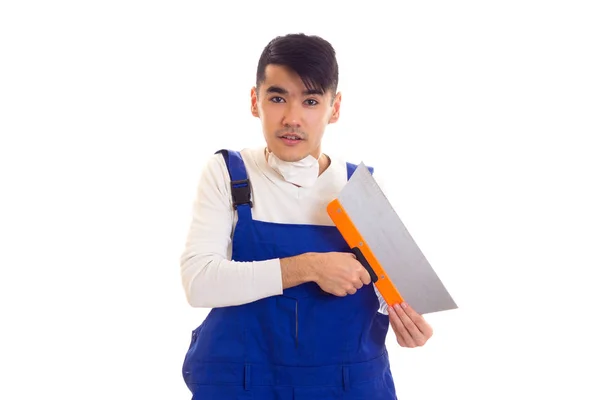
(267,276)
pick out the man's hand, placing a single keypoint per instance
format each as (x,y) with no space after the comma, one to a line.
(410,328)
(340,274)
(336,273)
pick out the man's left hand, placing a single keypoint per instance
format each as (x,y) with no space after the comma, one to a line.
(410,327)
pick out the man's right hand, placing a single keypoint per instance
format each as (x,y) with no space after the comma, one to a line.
(340,274)
(336,273)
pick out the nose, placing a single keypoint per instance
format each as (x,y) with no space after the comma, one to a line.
(293,115)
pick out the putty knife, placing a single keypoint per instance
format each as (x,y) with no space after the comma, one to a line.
(381,242)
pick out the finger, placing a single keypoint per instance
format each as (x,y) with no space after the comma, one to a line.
(416,335)
(402,334)
(364,276)
(401,341)
(351,290)
(358,283)
(418,320)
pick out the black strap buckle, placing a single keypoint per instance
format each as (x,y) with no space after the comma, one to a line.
(240,193)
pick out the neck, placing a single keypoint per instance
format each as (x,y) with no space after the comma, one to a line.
(324,163)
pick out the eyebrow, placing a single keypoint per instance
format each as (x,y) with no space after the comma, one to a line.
(280,90)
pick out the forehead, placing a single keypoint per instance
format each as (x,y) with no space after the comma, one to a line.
(282,77)
(281,74)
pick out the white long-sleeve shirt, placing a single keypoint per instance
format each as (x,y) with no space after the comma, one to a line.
(209,277)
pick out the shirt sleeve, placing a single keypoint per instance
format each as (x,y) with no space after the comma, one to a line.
(209,277)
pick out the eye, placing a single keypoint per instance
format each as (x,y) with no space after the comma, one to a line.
(312,102)
(277,99)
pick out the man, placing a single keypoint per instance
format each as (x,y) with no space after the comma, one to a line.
(294,314)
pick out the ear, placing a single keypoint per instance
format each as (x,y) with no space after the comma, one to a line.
(335,114)
(254,102)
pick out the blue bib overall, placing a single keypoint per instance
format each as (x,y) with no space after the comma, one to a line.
(303,344)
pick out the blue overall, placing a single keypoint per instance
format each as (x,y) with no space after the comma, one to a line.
(303,344)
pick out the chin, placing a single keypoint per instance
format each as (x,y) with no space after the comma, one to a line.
(289,154)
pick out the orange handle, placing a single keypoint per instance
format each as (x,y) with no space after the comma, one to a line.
(352,236)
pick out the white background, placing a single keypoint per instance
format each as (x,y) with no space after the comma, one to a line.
(481,117)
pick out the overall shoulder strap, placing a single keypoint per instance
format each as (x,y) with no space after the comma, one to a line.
(240,184)
(350,168)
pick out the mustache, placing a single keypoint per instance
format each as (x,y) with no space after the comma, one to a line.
(288,131)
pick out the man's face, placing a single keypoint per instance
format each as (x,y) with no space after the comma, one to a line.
(293,118)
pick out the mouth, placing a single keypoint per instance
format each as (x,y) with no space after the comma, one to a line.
(290,136)
(291,139)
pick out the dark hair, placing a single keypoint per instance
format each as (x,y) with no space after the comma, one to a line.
(311,57)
